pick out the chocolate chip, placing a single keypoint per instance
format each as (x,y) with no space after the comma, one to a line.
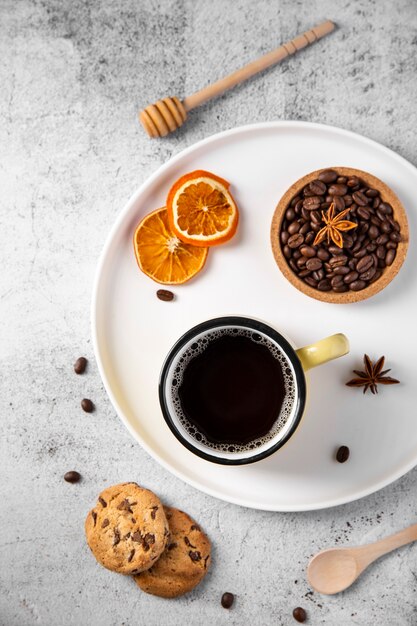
(102,502)
(131,555)
(172,545)
(195,527)
(149,538)
(80,365)
(227,600)
(194,556)
(205,561)
(116,537)
(94,516)
(342,454)
(125,506)
(105,523)
(165,295)
(72,477)
(87,405)
(136,536)
(153,511)
(188,542)
(299,615)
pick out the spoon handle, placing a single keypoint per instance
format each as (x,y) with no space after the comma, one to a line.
(271,58)
(368,554)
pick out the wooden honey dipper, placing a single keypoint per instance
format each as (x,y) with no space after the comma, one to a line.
(168,114)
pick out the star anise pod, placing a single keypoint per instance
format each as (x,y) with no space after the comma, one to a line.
(372,376)
(335,224)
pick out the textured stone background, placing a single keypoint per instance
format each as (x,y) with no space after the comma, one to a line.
(73,74)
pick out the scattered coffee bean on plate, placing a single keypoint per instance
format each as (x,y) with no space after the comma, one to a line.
(80,365)
(72,477)
(342,454)
(165,295)
(299,615)
(227,600)
(338,234)
(87,405)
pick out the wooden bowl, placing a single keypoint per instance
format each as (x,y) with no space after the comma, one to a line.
(386,194)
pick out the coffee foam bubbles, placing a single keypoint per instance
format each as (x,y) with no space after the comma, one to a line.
(196,348)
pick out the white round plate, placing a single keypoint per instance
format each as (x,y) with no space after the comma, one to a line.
(133,330)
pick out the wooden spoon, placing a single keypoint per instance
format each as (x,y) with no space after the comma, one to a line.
(335,569)
(168,114)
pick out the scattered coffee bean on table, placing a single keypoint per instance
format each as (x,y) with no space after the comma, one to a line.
(72,477)
(80,365)
(367,231)
(342,454)
(87,405)
(227,600)
(165,295)
(299,615)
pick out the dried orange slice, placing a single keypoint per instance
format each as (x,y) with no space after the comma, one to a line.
(161,255)
(201,209)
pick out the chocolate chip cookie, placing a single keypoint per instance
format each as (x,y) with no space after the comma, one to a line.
(184,563)
(127,530)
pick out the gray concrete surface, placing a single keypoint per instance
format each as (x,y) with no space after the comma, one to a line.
(72,76)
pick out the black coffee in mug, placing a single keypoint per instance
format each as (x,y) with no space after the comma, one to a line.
(233,389)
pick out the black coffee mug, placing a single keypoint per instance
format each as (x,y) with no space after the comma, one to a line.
(294,361)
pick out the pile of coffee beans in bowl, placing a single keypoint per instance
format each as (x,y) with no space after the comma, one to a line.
(339,234)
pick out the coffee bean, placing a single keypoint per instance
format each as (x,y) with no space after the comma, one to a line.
(318,275)
(295,240)
(227,600)
(315,217)
(165,295)
(294,227)
(363,213)
(298,207)
(304,273)
(353,181)
(308,251)
(391,254)
(285,235)
(360,253)
(365,263)
(72,477)
(339,203)
(304,229)
(342,454)
(380,215)
(80,365)
(371,193)
(324,285)
(386,227)
(351,277)
(323,255)
(394,236)
(342,180)
(381,252)
(309,238)
(299,615)
(371,247)
(349,202)
(368,275)
(357,285)
(391,245)
(287,252)
(296,254)
(290,214)
(381,263)
(318,187)
(314,264)
(360,198)
(301,261)
(292,265)
(327,176)
(378,274)
(336,281)
(386,208)
(337,190)
(337,261)
(87,405)
(294,201)
(341,288)
(352,263)
(311,282)
(312,203)
(382,239)
(343,270)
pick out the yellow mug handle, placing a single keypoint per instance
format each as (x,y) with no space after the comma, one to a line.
(322,351)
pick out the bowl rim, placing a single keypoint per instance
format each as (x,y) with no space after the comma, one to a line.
(349,296)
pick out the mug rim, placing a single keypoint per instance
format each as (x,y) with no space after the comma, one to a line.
(255,325)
